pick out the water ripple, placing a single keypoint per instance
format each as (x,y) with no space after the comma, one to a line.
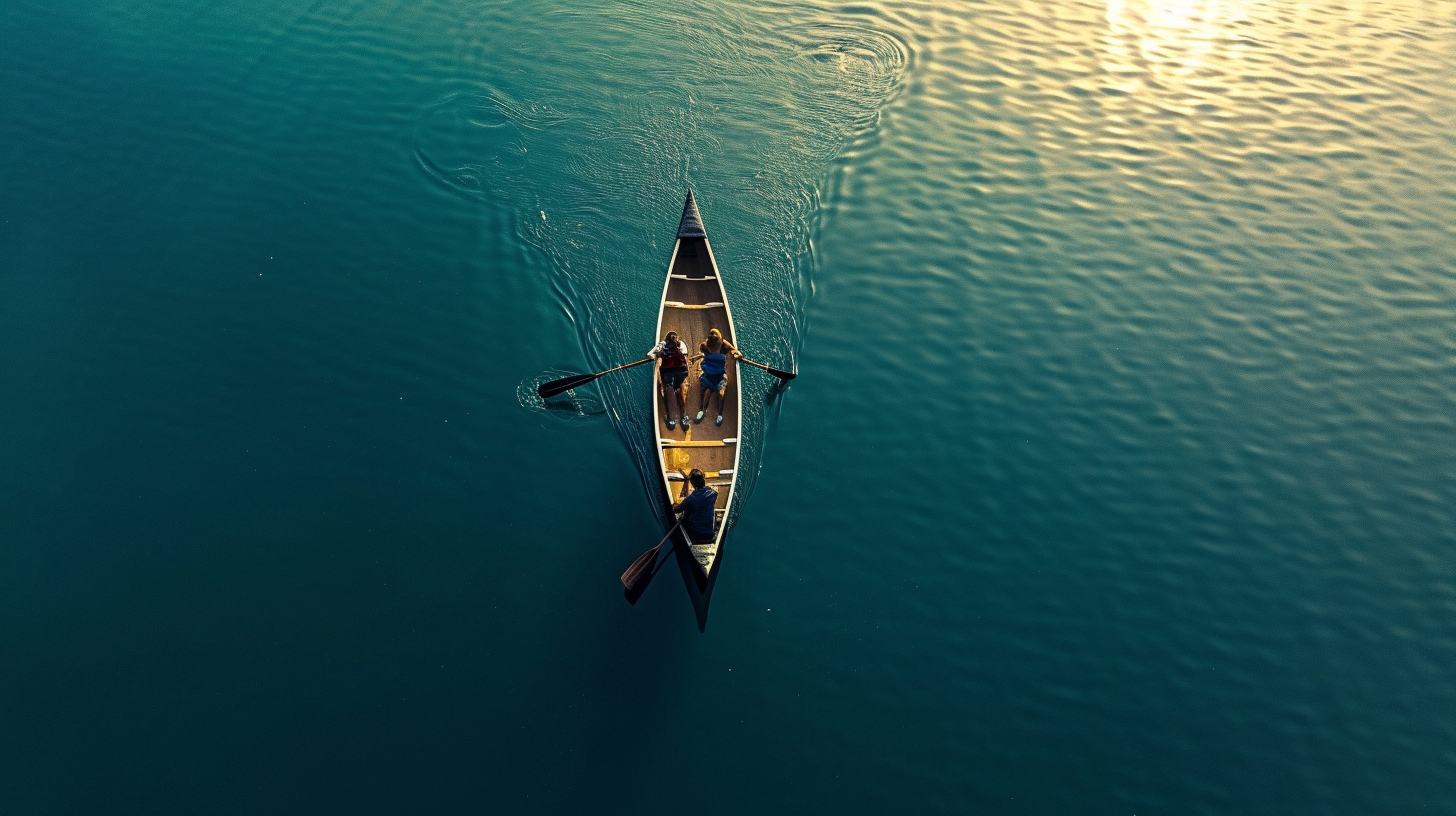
(576,405)
(594,184)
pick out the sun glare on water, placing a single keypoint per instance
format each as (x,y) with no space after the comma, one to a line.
(1172,42)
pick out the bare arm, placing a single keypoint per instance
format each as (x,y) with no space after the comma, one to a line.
(683,495)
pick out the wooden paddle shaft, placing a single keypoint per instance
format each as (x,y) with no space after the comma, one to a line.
(627,365)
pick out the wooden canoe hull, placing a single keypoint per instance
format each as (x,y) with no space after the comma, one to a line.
(694,301)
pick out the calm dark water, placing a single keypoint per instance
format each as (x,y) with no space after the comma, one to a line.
(1118,478)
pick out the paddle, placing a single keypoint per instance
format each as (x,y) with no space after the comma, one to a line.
(634,573)
(550,389)
(783,375)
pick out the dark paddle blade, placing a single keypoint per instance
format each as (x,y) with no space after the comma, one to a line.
(642,566)
(639,568)
(550,389)
(780,373)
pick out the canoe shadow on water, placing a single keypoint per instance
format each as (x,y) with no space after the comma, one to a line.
(581,405)
(700,590)
(775,391)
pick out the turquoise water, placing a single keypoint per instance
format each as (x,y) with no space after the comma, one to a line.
(1117,478)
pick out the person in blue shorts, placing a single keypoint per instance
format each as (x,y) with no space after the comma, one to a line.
(697,509)
(672,372)
(714,380)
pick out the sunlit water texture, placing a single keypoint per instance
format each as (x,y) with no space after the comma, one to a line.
(1117,478)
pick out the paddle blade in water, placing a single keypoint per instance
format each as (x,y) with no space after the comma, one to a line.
(639,568)
(550,389)
(777,372)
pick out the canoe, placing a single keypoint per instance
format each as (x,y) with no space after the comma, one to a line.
(694,301)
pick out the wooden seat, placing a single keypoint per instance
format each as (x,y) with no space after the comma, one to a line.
(694,443)
(674,476)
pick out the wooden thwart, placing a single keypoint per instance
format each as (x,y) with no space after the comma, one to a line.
(674,476)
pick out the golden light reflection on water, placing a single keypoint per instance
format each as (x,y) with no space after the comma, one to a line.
(1173,41)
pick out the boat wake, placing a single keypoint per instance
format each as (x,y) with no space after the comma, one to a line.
(757,113)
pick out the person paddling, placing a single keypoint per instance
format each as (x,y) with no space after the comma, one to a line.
(672,371)
(697,509)
(714,380)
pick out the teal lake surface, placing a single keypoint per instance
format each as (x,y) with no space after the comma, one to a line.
(1119,476)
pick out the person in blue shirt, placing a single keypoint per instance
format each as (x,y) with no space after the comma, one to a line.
(697,509)
(714,380)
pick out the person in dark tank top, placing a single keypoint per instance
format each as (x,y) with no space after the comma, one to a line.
(672,358)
